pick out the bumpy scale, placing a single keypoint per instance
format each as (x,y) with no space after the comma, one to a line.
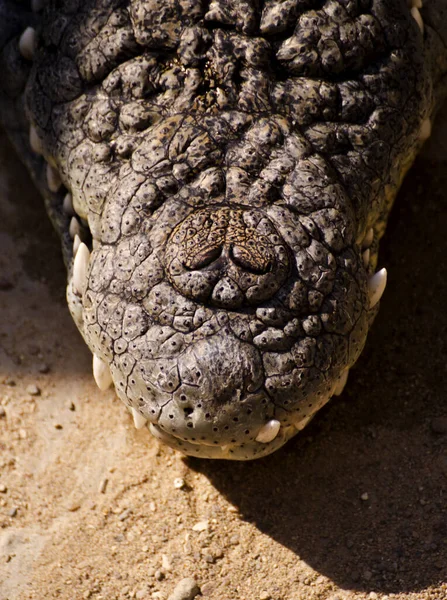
(221,173)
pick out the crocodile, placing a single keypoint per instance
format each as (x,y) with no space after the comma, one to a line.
(220,173)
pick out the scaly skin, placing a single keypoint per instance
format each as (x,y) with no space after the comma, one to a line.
(229,163)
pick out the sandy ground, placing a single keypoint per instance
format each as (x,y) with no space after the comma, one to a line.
(354,508)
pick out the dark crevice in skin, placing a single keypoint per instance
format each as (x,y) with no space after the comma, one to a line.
(280,72)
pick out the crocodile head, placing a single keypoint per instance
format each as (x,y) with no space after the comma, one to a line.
(229,171)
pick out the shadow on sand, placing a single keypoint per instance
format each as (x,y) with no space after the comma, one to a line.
(378,441)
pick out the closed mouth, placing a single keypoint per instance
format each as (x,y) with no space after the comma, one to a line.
(236,451)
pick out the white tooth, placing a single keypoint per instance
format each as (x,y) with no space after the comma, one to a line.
(417,17)
(366,256)
(101,373)
(34,141)
(27,43)
(37,5)
(268,432)
(80,266)
(76,244)
(67,205)
(138,419)
(74,228)
(341,383)
(53,179)
(425,131)
(368,239)
(376,286)
(302,424)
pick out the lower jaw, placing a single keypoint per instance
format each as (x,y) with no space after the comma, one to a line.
(244,451)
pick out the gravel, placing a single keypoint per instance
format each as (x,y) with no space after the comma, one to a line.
(33,390)
(186,589)
(201,526)
(125,514)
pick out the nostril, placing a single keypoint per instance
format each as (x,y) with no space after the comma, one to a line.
(203,258)
(245,259)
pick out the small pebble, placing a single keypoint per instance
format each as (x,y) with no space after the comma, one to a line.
(166,563)
(103,485)
(218,553)
(125,514)
(43,368)
(439,425)
(179,483)
(201,526)
(264,596)
(208,588)
(33,390)
(10,381)
(159,575)
(186,589)
(3,488)
(364,496)
(13,512)
(2,412)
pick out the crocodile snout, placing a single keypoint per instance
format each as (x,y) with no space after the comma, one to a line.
(220,408)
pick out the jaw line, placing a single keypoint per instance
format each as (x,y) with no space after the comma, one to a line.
(248,451)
